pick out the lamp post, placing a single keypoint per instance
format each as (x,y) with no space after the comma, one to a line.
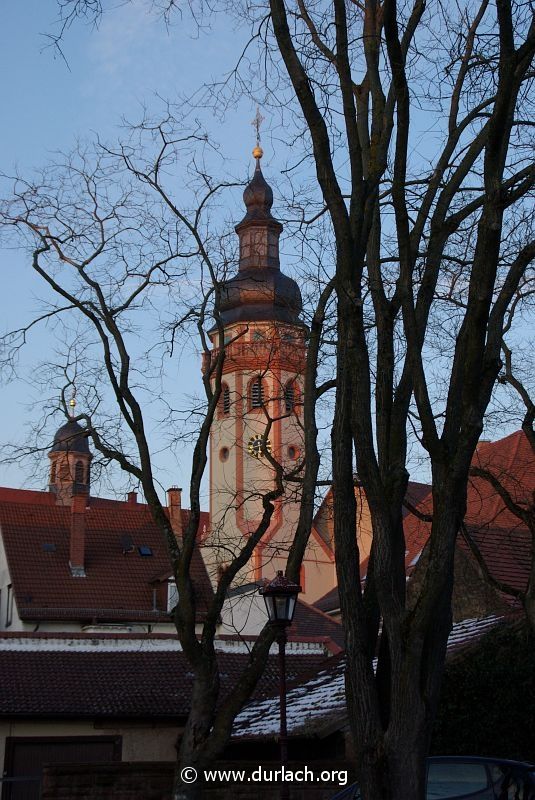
(280,596)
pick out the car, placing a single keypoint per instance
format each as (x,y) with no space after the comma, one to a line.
(471,777)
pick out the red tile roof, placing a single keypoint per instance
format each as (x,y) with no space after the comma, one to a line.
(504,540)
(512,462)
(310,622)
(119,684)
(117,586)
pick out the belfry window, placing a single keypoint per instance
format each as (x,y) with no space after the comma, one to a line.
(289,397)
(79,472)
(257,393)
(225,399)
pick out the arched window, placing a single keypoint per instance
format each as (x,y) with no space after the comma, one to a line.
(64,471)
(256,395)
(53,472)
(225,399)
(289,397)
(79,472)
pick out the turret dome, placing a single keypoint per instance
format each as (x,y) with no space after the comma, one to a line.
(71,437)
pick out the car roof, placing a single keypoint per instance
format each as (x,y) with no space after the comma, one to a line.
(483,760)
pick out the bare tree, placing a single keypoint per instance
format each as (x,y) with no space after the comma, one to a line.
(107,237)
(477,175)
(359,81)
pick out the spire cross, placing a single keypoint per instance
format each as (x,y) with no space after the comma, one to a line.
(257,124)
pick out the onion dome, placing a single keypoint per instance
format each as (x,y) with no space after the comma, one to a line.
(260,291)
(258,199)
(71,438)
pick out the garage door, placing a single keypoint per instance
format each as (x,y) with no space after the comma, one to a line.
(25,758)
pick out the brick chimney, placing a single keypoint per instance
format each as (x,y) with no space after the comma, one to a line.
(77,544)
(131,498)
(174,505)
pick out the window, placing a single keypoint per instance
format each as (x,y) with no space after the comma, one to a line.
(9,607)
(53,472)
(64,471)
(257,393)
(456,779)
(172,594)
(79,472)
(225,399)
(289,397)
(508,783)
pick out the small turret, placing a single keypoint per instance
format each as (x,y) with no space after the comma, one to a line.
(70,461)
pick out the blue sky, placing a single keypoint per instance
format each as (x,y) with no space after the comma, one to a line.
(111,73)
(129,62)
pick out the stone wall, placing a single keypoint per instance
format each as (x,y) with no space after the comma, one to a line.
(153,781)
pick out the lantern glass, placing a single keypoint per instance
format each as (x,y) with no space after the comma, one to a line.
(281,608)
(280,597)
(291,607)
(270,607)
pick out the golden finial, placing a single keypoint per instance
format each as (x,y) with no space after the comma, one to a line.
(256,123)
(72,402)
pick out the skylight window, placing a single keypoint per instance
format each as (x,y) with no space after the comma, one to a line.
(49,547)
(144,550)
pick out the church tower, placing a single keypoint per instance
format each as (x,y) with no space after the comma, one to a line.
(260,409)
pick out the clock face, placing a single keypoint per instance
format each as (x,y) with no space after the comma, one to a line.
(255,446)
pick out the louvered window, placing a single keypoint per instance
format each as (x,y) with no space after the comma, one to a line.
(225,392)
(79,472)
(289,397)
(257,393)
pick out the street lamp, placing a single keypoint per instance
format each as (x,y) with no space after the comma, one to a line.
(280,597)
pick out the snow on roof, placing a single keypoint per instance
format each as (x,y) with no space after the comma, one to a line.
(323,695)
(321,699)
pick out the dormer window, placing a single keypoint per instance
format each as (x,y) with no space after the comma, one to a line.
(9,606)
(172,595)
